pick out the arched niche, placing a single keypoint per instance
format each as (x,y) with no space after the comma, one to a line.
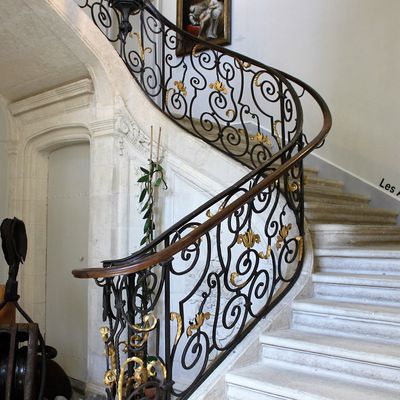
(29,201)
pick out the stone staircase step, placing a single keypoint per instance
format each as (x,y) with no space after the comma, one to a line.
(310,172)
(334,197)
(325,213)
(362,361)
(283,382)
(340,235)
(315,183)
(376,261)
(358,288)
(347,319)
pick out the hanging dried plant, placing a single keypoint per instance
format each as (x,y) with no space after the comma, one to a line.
(152,178)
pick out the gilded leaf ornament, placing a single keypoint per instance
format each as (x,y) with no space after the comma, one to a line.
(301,248)
(138,340)
(262,139)
(249,239)
(149,322)
(232,279)
(141,374)
(105,333)
(195,50)
(175,316)
(142,50)
(267,254)
(283,233)
(219,87)
(198,323)
(181,87)
(110,378)
(209,213)
(244,64)
(293,187)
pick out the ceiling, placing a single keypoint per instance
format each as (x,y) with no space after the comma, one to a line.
(32,59)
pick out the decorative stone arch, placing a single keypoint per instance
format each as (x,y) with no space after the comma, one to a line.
(31,206)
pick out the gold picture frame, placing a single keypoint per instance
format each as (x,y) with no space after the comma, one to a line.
(209,20)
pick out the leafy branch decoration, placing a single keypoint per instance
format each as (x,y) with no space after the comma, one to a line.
(152,178)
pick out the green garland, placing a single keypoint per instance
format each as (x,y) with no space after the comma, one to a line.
(152,178)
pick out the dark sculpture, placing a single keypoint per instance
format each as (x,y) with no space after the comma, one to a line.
(27,368)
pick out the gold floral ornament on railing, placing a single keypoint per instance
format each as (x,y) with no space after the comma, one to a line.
(293,186)
(248,239)
(300,240)
(200,318)
(209,213)
(141,374)
(181,87)
(175,316)
(142,50)
(262,139)
(267,254)
(283,234)
(232,280)
(219,87)
(110,376)
(141,337)
(143,370)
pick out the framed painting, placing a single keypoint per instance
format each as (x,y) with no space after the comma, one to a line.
(209,20)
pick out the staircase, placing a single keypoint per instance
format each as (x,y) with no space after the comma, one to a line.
(344,341)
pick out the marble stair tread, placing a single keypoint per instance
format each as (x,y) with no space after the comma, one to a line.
(261,382)
(389,251)
(359,350)
(340,208)
(356,229)
(321,212)
(334,197)
(373,312)
(375,261)
(333,235)
(330,184)
(385,281)
(310,171)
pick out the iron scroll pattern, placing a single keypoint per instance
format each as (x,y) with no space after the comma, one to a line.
(168,327)
(237,105)
(171,325)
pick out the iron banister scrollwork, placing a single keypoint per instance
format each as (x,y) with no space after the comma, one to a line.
(176,308)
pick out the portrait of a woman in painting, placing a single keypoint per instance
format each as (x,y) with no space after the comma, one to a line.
(206,19)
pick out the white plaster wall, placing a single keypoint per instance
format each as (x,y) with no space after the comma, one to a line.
(346,49)
(3,179)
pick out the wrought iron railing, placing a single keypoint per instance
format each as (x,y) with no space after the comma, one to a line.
(176,308)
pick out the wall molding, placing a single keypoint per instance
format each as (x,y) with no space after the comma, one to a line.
(78,89)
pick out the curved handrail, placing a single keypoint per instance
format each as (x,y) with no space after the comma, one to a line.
(139,261)
(166,254)
(243,267)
